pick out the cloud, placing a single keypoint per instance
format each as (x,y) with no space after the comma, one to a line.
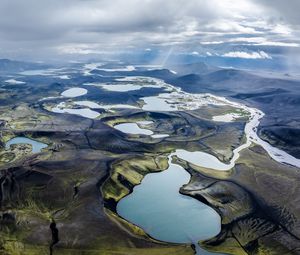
(253,41)
(247,55)
(287,11)
(213,42)
(261,41)
(248,39)
(231,27)
(82,49)
(52,28)
(280,44)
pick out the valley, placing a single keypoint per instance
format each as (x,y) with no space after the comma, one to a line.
(81,155)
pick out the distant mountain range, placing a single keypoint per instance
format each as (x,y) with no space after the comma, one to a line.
(199,68)
(12,66)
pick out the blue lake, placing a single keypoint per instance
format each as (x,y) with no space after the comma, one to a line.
(36,146)
(162,212)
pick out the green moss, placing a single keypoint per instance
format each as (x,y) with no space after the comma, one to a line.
(229,246)
(20,249)
(132,171)
(7,157)
(133,229)
(32,207)
(6,136)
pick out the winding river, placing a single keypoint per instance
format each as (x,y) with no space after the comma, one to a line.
(156,204)
(167,215)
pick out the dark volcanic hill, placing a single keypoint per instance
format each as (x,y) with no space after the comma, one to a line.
(278,98)
(12,66)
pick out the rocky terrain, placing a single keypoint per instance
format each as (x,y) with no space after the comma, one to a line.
(258,203)
(62,200)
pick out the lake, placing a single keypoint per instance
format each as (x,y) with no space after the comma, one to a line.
(36,146)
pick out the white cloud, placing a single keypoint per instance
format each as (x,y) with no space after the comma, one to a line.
(247,55)
(248,39)
(254,41)
(282,29)
(81,49)
(231,27)
(261,41)
(280,44)
(213,42)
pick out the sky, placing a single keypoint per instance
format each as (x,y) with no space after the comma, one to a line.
(262,30)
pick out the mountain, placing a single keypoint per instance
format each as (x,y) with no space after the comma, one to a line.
(278,98)
(193,68)
(164,74)
(233,81)
(12,66)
